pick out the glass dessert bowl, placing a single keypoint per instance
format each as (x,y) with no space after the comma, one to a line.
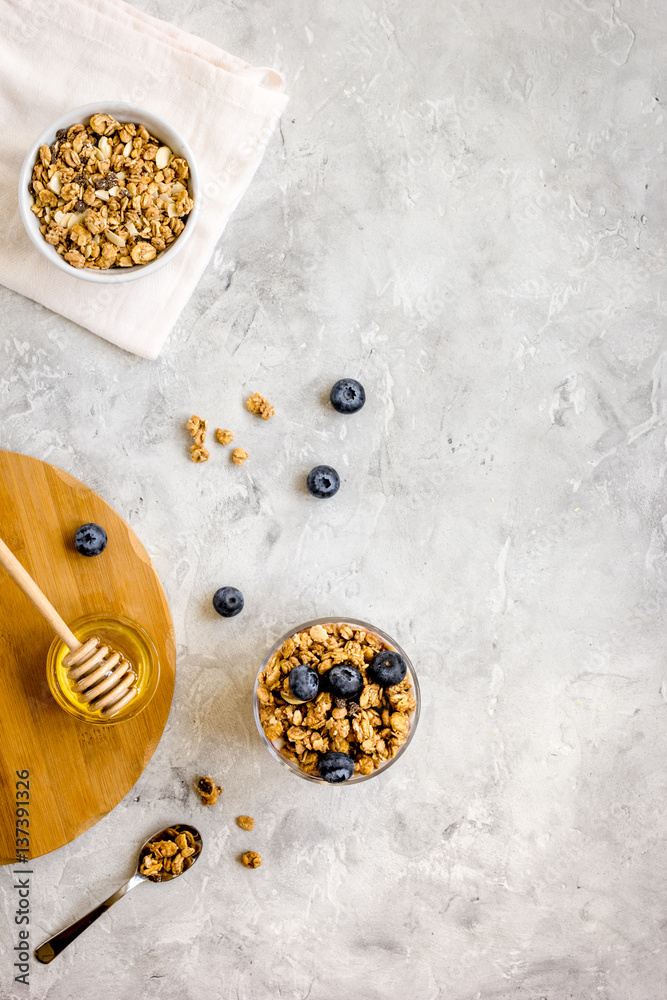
(121,634)
(336,700)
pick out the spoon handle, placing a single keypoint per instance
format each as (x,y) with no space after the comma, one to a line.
(54,945)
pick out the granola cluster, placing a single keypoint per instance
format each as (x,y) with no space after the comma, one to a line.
(168,857)
(246,822)
(197,428)
(208,790)
(259,405)
(109,194)
(251,859)
(370,730)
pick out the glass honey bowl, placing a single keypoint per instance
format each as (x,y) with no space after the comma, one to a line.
(121,634)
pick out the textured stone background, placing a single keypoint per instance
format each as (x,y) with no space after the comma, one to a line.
(465,208)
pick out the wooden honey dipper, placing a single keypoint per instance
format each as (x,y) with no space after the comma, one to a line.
(101,677)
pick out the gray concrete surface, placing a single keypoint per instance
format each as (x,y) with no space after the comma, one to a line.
(465,208)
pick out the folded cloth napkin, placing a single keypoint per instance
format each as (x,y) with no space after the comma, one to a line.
(59,54)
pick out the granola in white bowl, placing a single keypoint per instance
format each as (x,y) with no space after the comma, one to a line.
(109,193)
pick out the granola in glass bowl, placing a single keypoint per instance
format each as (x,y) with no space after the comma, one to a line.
(336,700)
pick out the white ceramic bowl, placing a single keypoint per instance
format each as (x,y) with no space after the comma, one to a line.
(123,113)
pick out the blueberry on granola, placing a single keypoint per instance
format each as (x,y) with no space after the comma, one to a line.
(387,668)
(228,601)
(304,682)
(348,395)
(323,481)
(90,540)
(344,681)
(335,767)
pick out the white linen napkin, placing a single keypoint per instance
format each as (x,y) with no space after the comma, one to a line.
(60,54)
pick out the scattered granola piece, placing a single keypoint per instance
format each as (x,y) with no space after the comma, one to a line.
(239,456)
(224,437)
(198,453)
(259,405)
(197,428)
(208,790)
(251,859)
(246,822)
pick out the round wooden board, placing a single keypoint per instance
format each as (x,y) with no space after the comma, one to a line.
(78,772)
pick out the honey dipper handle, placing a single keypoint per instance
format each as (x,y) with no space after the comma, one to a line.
(25,582)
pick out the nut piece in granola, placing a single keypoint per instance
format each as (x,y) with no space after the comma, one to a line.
(224,437)
(246,822)
(239,456)
(259,405)
(208,790)
(251,859)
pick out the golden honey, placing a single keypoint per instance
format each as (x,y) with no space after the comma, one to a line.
(121,634)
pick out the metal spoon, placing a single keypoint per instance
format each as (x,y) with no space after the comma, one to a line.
(54,945)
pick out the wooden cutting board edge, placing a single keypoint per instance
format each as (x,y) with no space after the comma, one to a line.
(149,725)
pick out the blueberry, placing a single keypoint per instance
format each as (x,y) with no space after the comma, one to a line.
(90,540)
(228,601)
(335,767)
(304,682)
(344,681)
(388,668)
(323,481)
(348,395)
